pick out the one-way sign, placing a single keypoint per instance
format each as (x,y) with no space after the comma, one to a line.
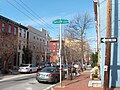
(111,40)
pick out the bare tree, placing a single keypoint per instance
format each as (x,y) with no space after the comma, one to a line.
(76,30)
(27,55)
(8,48)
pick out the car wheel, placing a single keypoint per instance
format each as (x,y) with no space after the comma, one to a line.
(38,81)
(55,80)
(30,71)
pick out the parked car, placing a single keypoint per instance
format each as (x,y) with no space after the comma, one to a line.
(27,68)
(40,67)
(49,64)
(48,74)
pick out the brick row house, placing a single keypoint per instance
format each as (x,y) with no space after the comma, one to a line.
(14,37)
(8,42)
(54,51)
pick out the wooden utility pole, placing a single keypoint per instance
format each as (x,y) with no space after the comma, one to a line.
(108,46)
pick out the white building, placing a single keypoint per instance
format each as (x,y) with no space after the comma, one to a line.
(39,43)
(22,42)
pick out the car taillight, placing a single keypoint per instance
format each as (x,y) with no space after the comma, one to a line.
(62,69)
(37,74)
(49,75)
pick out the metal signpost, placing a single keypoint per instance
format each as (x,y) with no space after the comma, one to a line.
(60,21)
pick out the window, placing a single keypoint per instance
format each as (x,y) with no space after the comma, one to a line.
(3,27)
(15,30)
(34,37)
(19,45)
(9,28)
(40,39)
(23,46)
(20,32)
(24,33)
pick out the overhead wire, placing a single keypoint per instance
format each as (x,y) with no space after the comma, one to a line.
(37,16)
(35,13)
(24,13)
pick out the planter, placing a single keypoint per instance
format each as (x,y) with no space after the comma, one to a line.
(95,78)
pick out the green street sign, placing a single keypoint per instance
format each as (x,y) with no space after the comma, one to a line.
(60,21)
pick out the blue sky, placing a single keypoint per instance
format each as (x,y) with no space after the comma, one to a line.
(25,11)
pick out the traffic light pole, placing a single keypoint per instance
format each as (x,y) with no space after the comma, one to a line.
(108,47)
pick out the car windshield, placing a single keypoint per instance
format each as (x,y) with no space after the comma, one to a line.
(48,70)
(24,65)
(48,65)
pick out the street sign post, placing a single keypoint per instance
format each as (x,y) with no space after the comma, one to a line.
(60,21)
(111,40)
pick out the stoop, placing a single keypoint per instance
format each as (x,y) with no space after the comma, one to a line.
(94,83)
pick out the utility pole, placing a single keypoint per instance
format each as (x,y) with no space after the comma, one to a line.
(108,46)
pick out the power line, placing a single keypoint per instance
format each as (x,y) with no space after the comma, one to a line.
(24,13)
(26,10)
(34,15)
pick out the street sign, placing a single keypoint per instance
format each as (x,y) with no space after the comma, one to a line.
(111,40)
(60,21)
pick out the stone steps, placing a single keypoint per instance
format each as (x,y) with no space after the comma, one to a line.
(94,83)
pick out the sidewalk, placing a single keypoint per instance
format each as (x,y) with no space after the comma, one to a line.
(79,83)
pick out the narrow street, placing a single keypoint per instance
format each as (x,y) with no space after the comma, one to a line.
(23,83)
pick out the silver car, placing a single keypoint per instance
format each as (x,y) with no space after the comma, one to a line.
(48,74)
(27,68)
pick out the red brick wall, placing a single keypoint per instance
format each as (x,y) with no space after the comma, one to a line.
(12,36)
(54,49)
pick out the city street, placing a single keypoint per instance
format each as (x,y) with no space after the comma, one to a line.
(23,82)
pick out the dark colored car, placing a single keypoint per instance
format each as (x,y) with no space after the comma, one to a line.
(40,67)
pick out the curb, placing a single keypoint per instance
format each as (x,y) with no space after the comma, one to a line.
(51,87)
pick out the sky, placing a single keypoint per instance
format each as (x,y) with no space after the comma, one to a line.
(41,14)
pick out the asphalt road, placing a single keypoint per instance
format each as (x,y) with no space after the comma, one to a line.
(23,83)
